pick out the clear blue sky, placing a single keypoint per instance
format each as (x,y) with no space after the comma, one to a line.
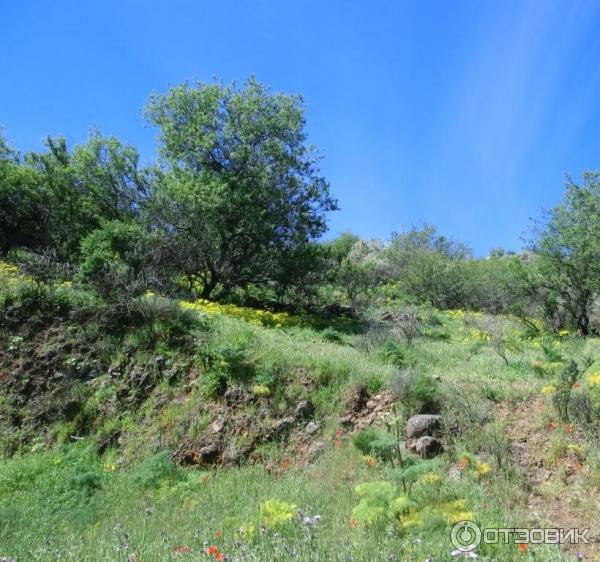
(465,114)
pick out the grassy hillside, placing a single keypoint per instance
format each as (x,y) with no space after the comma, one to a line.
(202,431)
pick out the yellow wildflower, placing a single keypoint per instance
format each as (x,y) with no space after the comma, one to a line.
(461,516)
(431,478)
(594,379)
(483,468)
(548,389)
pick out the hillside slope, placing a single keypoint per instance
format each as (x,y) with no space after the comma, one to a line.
(206,432)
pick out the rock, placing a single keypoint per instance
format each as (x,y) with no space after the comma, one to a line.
(209,452)
(281,426)
(218,424)
(423,424)
(356,398)
(312,427)
(373,408)
(304,409)
(235,396)
(427,447)
(230,455)
(315,451)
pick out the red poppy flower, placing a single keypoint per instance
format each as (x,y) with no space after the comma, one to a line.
(354,523)
(219,556)
(218,534)
(212,550)
(523,547)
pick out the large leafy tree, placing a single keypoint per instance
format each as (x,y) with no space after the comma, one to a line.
(239,189)
(569,250)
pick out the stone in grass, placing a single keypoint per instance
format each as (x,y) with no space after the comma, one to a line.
(427,447)
(422,424)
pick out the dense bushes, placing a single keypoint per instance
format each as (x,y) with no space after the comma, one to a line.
(234,210)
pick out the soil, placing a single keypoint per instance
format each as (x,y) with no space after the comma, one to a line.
(555,485)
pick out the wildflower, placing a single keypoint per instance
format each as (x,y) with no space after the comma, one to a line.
(551,426)
(522,547)
(431,478)
(371,461)
(461,516)
(354,523)
(311,521)
(212,550)
(247,531)
(463,462)
(548,389)
(219,556)
(569,428)
(483,468)
(594,379)
(563,333)
(181,549)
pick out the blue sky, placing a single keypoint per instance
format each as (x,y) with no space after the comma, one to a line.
(465,114)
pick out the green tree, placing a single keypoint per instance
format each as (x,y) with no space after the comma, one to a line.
(24,203)
(428,266)
(54,198)
(121,261)
(239,187)
(569,250)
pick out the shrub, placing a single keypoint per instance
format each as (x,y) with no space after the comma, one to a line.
(121,261)
(374,383)
(395,354)
(332,336)
(417,392)
(406,324)
(561,399)
(275,513)
(153,470)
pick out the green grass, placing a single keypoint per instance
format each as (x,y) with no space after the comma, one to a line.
(69,503)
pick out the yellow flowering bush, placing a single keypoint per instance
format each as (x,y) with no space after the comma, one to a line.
(251,315)
(10,276)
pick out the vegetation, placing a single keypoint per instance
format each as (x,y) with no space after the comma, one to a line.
(187,370)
